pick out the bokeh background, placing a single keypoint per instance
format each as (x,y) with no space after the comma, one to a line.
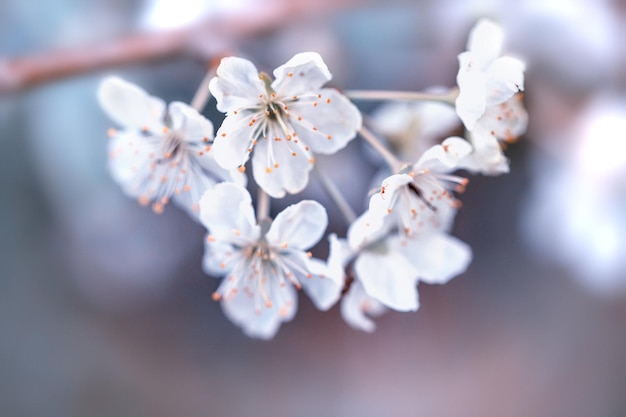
(104,309)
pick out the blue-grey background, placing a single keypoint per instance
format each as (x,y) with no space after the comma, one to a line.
(104,309)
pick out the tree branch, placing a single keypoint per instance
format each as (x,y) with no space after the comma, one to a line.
(205,41)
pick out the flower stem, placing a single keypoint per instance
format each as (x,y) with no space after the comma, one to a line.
(335,195)
(393,162)
(262,206)
(202,95)
(448,97)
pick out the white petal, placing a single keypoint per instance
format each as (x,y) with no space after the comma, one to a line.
(262,323)
(322,288)
(189,124)
(438,257)
(388,277)
(198,183)
(339,256)
(277,170)
(507,120)
(219,258)
(505,77)
(485,40)
(205,159)
(444,157)
(303,73)
(355,304)
(299,226)
(381,203)
(227,212)
(325,122)
(470,104)
(234,140)
(436,119)
(367,228)
(487,157)
(130,106)
(129,157)
(237,85)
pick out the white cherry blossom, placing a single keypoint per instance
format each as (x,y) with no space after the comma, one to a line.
(413,127)
(501,123)
(357,307)
(383,271)
(161,153)
(485,78)
(281,123)
(387,269)
(489,101)
(263,264)
(420,198)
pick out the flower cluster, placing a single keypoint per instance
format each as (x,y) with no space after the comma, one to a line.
(279,126)
(490,100)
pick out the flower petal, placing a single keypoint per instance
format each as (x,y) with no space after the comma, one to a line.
(129,159)
(445,157)
(235,140)
(388,277)
(366,229)
(219,257)
(487,157)
(381,203)
(403,122)
(438,257)
(507,120)
(355,304)
(261,323)
(226,210)
(130,106)
(326,122)
(339,256)
(321,288)
(237,85)
(303,73)
(485,40)
(471,102)
(505,77)
(298,226)
(190,125)
(277,170)
(197,184)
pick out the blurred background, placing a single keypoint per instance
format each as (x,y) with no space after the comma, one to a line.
(104,309)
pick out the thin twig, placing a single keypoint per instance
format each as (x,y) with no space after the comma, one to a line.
(202,95)
(262,206)
(394,163)
(335,195)
(202,41)
(448,97)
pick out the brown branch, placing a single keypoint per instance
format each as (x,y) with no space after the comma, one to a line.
(205,41)
(25,72)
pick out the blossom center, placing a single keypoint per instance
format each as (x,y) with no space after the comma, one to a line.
(163,168)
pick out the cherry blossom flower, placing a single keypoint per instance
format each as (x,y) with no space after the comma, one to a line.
(357,307)
(264,263)
(413,127)
(387,269)
(502,123)
(282,123)
(383,271)
(420,198)
(160,153)
(488,103)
